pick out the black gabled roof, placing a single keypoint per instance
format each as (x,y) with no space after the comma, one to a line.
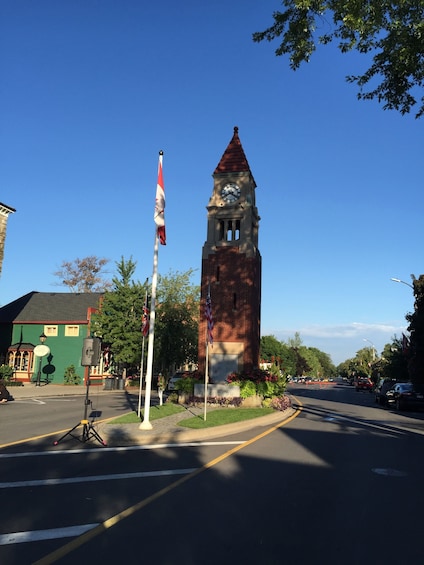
(50,307)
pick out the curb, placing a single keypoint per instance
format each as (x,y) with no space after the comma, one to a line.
(130,434)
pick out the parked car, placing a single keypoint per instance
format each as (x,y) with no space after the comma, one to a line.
(173,381)
(381,390)
(404,395)
(364,384)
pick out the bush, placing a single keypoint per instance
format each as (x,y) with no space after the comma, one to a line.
(280,403)
(259,382)
(172,398)
(188,380)
(247,388)
(70,377)
(6,372)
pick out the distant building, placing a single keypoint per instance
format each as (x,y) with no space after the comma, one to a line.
(64,318)
(4,216)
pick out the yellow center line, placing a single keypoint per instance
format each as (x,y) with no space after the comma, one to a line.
(114,520)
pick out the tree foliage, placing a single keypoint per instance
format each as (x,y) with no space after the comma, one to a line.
(177,321)
(393,31)
(84,275)
(395,365)
(416,329)
(119,321)
(120,318)
(295,359)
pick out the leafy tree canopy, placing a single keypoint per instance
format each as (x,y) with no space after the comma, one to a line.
(177,321)
(120,318)
(293,358)
(119,321)
(84,275)
(393,31)
(416,329)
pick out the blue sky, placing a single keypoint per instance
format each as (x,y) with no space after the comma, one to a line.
(91,90)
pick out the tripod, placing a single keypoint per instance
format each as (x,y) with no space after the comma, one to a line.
(88,430)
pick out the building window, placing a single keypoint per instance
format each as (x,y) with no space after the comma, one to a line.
(50,331)
(19,360)
(229,230)
(71,331)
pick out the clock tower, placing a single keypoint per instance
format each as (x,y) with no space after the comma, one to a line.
(231,269)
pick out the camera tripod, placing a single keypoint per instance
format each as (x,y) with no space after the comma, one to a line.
(88,430)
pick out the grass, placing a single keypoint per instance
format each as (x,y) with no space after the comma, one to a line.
(224,416)
(155,413)
(214,417)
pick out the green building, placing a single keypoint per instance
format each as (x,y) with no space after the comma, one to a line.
(58,320)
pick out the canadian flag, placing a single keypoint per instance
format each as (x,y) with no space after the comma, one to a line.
(159,216)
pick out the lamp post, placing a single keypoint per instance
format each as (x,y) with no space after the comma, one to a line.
(40,351)
(403,282)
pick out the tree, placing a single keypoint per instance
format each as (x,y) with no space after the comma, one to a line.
(84,275)
(395,364)
(416,329)
(270,347)
(392,30)
(327,367)
(177,321)
(119,320)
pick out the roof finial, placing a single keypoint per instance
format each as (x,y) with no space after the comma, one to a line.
(235,130)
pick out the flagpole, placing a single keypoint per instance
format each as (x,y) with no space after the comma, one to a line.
(145,321)
(145,424)
(141,379)
(209,338)
(206,378)
(159,219)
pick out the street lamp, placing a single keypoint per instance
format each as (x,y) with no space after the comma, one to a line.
(403,282)
(40,351)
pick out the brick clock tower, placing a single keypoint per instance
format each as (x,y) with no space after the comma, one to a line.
(231,268)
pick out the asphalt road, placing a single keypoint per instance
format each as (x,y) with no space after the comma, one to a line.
(37,415)
(340,483)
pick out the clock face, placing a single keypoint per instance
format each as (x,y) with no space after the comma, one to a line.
(230,192)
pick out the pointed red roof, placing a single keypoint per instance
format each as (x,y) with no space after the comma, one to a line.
(233,160)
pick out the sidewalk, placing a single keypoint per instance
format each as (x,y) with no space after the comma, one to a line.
(30,390)
(164,430)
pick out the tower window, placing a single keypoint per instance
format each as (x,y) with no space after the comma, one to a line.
(217,274)
(229,230)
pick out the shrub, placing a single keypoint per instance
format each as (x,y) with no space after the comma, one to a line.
(280,403)
(172,398)
(6,372)
(70,377)
(263,383)
(188,380)
(216,400)
(247,388)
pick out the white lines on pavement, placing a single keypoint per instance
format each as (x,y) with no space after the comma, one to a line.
(35,400)
(95,478)
(39,535)
(116,449)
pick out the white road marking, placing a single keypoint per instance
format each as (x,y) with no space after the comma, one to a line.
(40,535)
(116,449)
(94,478)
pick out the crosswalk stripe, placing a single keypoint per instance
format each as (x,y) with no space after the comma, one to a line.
(40,535)
(94,478)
